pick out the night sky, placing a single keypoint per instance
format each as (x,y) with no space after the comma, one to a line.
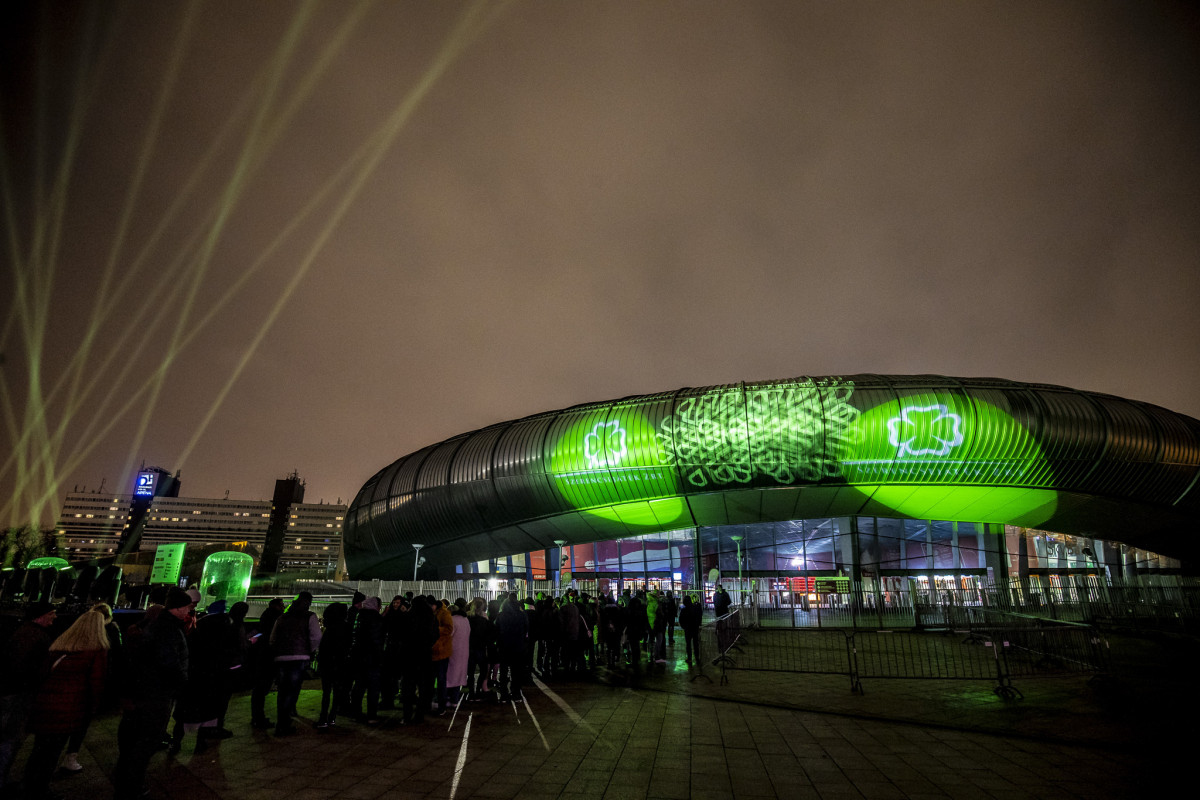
(243,239)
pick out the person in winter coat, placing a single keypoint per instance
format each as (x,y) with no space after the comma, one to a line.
(334,661)
(20,674)
(262,667)
(366,658)
(477,662)
(443,648)
(512,628)
(689,620)
(157,669)
(460,655)
(418,632)
(294,639)
(75,671)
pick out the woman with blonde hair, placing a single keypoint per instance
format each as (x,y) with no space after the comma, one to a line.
(71,691)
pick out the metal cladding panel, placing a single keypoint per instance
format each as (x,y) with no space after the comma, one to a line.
(1189,462)
(983,450)
(435,469)
(473,462)
(383,482)
(519,452)
(1073,437)
(706,438)
(579,446)
(520,474)
(436,510)
(405,481)
(1131,452)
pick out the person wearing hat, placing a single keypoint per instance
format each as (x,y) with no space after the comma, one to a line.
(157,672)
(20,673)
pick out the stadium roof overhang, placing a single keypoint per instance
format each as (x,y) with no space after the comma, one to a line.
(922,447)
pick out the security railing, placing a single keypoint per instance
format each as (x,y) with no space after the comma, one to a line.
(1023,647)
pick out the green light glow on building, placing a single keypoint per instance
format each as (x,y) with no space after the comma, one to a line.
(949,456)
(928,455)
(601,462)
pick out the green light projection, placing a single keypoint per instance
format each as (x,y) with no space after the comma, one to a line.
(609,465)
(790,433)
(935,454)
(947,456)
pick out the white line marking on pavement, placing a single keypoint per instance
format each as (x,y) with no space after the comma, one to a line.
(570,712)
(545,744)
(515,714)
(457,706)
(462,757)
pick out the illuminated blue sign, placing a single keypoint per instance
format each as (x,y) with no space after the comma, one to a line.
(145,484)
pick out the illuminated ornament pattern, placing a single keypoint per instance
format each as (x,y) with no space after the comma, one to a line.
(790,433)
(925,431)
(605,439)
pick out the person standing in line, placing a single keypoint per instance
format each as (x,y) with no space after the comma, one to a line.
(261,663)
(20,673)
(75,671)
(670,607)
(512,628)
(157,671)
(334,661)
(294,639)
(366,660)
(442,650)
(689,620)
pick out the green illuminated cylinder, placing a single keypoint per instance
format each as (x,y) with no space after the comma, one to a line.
(226,577)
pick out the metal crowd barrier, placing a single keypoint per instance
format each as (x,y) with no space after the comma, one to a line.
(1023,648)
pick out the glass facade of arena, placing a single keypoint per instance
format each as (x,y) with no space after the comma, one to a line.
(809,565)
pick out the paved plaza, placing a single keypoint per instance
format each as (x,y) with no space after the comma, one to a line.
(763,735)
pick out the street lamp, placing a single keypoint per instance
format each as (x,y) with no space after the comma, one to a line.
(416,560)
(737,540)
(558,573)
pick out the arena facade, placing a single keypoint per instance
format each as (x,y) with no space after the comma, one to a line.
(889,481)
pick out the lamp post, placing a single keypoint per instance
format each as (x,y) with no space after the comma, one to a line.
(416,560)
(737,540)
(558,573)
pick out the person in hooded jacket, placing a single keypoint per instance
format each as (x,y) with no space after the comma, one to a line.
(335,666)
(366,658)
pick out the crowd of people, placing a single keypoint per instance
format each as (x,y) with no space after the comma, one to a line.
(173,673)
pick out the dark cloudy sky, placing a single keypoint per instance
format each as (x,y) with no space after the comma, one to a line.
(247,238)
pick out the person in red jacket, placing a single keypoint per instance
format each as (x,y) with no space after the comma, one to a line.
(75,671)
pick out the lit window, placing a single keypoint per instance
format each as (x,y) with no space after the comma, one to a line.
(79,515)
(328,524)
(324,548)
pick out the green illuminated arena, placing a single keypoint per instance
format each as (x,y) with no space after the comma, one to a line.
(971,451)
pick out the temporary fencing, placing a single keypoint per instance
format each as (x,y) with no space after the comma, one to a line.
(988,651)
